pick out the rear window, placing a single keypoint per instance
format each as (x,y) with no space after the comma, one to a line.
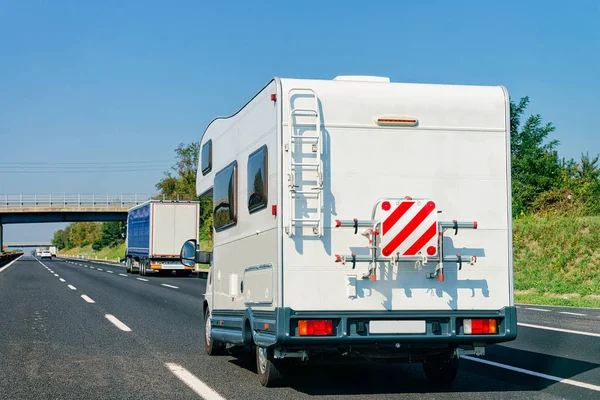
(206,157)
(225,198)
(257,180)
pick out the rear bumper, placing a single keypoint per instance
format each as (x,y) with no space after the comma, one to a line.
(353,328)
(158,266)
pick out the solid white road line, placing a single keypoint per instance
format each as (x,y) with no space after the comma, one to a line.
(174,287)
(86,298)
(62,280)
(549,328)
(117,323)
(56,275)
(142,279)
(533,373)
(122,274)
(201,388)
(71,287)
(14,261)
(537,309)
(572,313)
(570,307)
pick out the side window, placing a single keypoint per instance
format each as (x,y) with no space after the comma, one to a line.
(225,198)
(257,180)
(207,157)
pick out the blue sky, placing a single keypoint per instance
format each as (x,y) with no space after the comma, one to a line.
(109,81)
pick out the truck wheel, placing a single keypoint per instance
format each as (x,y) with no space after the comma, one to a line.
(441,370)
(269,371)
(128,266)
(142,267)
(212,347)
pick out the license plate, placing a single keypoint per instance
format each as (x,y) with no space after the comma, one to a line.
(379,327)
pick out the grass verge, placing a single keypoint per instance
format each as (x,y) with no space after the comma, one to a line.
(111,253)
(556,261)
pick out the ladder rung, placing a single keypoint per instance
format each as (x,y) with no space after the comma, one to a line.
(304,137)
(304,124)
(304,110)
(310,221)
(314,191)
(299,164)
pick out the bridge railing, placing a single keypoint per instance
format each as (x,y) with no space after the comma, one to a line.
(78,200)
(82,200)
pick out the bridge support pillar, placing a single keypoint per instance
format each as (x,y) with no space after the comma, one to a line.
(1,242)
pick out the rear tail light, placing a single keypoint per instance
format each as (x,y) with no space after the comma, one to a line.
(480,326)
(315,327)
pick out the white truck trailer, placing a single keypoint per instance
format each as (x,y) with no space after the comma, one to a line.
(359,217)
(156,230)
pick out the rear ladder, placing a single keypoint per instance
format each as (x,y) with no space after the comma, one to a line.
(305,177)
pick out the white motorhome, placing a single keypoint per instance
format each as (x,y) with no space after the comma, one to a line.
(360,217)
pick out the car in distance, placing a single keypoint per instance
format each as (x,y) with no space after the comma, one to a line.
(46,254)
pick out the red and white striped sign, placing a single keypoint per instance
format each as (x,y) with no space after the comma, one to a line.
(408,227)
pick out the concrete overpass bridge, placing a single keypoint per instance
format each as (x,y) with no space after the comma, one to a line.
(35,208)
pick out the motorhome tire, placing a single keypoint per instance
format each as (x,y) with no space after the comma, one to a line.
(212,347)
(441,370)
(269,370)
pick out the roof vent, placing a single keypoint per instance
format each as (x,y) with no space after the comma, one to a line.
(362,78)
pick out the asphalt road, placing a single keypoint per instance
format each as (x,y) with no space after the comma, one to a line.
(72,329)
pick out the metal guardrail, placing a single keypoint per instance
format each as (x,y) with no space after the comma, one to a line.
(5,258)
(80,200)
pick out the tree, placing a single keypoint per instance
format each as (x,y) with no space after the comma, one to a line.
(184,181)
(111,233)
(58,239)
(181,181)
(535,164)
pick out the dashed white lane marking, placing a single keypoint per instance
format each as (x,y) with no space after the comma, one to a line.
(537,309)
(86,298)
(572,313)
(117,323)
(56,275)
(142,279)
(122,274)
(549,328)
(110,272)
(12,262)
(62,280)
(201,388)
(99,269)
(533,373)
(71,287)
(171,286)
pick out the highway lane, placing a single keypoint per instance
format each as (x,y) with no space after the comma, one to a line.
(166,327)
(55,345)
(189,285)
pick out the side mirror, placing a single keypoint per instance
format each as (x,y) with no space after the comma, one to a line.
(124,231)
(190,255)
